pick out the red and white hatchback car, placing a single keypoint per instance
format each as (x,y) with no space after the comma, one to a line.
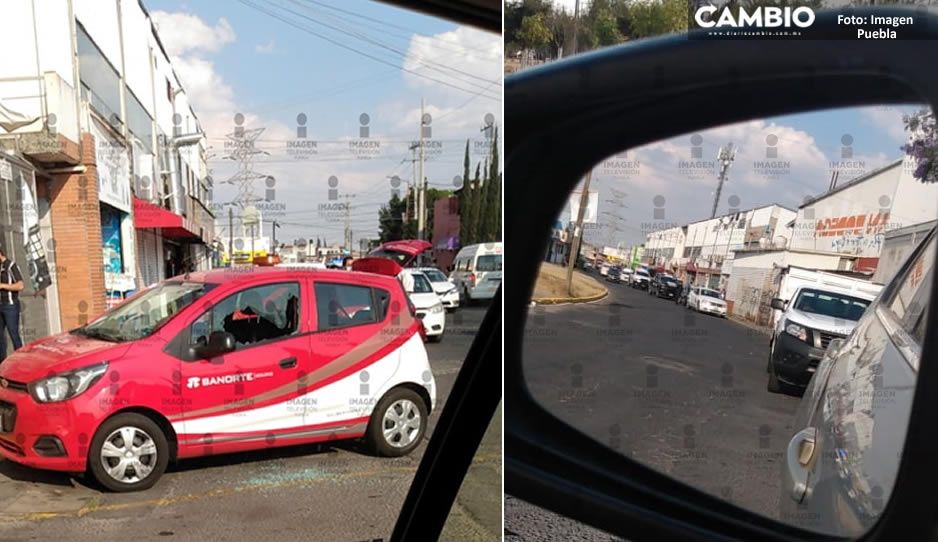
(217,362)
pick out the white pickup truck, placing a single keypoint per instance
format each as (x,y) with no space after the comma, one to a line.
(811,309)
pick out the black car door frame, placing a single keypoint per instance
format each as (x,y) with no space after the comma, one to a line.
(564,117)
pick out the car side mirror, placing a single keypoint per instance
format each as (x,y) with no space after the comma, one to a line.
(778,304)
(219,342)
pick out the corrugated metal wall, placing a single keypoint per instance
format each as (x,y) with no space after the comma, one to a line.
(150,255)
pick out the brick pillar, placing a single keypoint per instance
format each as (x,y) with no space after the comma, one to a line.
(76,229)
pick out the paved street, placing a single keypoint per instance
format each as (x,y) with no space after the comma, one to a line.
(331,492)
(677,390)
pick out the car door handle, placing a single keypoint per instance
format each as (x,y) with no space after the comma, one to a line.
(799,455)
(288,363)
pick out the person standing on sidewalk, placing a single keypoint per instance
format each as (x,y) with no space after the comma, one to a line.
(11,283)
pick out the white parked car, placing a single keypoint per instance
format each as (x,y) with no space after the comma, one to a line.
(443,287)
(477,271)
(706,300)
(427,304)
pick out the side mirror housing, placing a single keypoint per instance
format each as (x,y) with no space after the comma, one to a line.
(219,342)
(778,304)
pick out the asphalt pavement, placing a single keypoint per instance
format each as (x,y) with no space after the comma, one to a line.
(331,492)
(681,392)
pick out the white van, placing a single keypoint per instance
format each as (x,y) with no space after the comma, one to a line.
(477,271)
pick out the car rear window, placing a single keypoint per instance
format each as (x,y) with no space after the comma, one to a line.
(344,305)
(490,262)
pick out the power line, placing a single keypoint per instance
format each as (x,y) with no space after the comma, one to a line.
(410,31)
(426,62)
(354,50)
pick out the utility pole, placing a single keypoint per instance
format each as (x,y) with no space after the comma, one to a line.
(576,24)
(421,185)
(725,156)
(347,242)
(273,234)
(578,232)
(230,237)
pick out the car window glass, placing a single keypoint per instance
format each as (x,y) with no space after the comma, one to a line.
(384,301)
(435,276)
(706,390)
(253,315)
(421,284)
(342,305)
(489,262)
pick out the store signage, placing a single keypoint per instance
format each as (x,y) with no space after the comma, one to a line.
(113,169)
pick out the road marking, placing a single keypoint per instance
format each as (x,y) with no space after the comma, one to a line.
(7,519)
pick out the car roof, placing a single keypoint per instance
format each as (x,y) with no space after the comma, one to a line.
(228,275)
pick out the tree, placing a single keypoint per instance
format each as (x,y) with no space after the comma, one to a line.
(491,218)
(465,200)
(606,28)
(534,33)
(476,189)
(656,17)
(923,145)
(391,220)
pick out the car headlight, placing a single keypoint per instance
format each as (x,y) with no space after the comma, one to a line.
(796,331)
(66,385)
(436,309)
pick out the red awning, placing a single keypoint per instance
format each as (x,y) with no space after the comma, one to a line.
(173,226)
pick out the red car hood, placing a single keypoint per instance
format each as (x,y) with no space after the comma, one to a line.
(56,354)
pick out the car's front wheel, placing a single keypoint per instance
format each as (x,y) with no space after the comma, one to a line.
(129,452)
(397,423)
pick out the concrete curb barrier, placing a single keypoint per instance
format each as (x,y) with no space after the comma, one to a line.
(565,300)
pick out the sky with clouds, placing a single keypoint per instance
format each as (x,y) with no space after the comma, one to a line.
(781,160)
(351,74)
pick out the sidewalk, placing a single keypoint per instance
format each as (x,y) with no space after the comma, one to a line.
(551,286)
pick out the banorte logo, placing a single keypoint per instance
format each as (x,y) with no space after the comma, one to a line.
(761,17)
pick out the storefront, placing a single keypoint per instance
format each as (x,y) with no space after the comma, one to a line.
(117,233)
(180,244)
(25,232)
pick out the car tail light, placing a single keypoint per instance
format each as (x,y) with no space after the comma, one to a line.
(472,280)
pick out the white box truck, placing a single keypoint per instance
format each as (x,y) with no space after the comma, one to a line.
(812,308)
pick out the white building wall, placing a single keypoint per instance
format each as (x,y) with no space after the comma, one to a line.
(820,225)
(136,28)
(914,202)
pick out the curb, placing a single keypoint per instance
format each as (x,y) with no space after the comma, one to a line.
(564,300)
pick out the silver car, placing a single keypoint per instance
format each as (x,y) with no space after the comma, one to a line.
(841,462)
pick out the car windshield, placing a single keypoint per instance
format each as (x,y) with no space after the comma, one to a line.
(709,293)
(435,275)
(490,262)
(642,273)
(831,304)
(144,313)
(422,284)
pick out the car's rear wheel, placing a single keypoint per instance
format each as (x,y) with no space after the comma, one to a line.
(129,452)
(397,423)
